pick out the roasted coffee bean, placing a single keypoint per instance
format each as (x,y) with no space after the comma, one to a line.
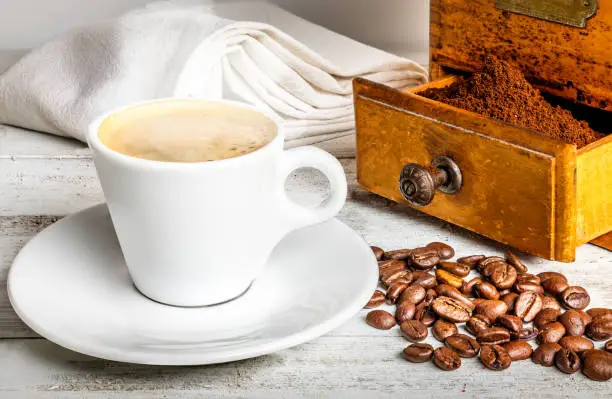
(493,336)
(576,344)
(444,251)
(442,329)
(425,315)
(527,306)
(377,299)
(463,345)
(446,359)
(573,321)
(413,293)
(451,309)
(554,285)
(471,260)
(491,308)
(486,290)
(378,252)
(401,254)
(483,263)
(421,273)
(455,268)
(495,357)
(477,323)
(549,302)
(546,275)
(510,299)
(468,286)
(594,312)
(528,278)
(402,280)
(516,262)
(503,275)
(574,297)
(600,328)
(504,292)
(424,258)
(414,330)
(545,354)
(528,287)
(567,361)
(597,365)
(608,346)
(402,274)
(477,301)
(518,350)
(510,323)
(526,334)
(545,317)
(426,281)
(430,295)
(380,319)
(445,277)
(491,267)
(395,290)
(404,311)
(392,270)
(586,318)
(452,292)
(551,333)
(391,264)
(418,353)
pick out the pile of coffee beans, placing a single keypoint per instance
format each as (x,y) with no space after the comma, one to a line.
(502,309)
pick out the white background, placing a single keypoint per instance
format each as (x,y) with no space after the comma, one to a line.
(399,26)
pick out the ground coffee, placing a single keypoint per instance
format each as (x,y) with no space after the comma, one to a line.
(500,91)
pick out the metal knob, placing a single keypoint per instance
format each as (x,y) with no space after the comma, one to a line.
(418,183)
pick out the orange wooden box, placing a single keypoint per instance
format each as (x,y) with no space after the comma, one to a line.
(518,187)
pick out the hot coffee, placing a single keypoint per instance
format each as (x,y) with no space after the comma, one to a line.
(186,131)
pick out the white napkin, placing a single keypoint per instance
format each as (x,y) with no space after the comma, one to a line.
(255,52)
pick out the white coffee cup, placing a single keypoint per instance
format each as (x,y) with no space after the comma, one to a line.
(195,234)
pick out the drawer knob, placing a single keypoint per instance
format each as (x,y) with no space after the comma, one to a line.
(418,183)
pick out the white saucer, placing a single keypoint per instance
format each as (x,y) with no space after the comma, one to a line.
(70,285)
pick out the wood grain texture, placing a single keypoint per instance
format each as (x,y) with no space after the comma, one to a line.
(594,190)
(329,367)
(353,361)
(570,62)
(518,187)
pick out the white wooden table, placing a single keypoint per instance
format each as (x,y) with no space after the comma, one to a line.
(43,178)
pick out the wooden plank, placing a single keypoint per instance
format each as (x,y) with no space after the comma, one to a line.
(327,367)
(43,186)
(594,190)
(566,61)
(518,187)
(20,143)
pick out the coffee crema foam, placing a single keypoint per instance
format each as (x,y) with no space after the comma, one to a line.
(186,131)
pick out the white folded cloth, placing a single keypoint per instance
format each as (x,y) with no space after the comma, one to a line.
(251,51)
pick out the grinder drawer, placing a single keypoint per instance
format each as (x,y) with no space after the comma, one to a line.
(495,179)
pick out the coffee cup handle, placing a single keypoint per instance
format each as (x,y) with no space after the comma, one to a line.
(296,216)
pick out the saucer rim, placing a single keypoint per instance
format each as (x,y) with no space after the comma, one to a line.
(107,352)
